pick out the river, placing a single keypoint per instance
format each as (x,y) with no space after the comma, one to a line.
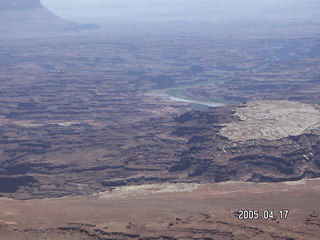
(197,104)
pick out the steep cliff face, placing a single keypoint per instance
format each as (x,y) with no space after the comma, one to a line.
(19,4)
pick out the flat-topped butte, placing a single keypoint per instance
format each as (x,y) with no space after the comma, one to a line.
(273,120)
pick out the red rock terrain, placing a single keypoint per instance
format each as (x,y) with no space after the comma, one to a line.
(86,154)
(77,122)
(169,211)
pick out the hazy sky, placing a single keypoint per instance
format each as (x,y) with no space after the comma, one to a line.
(193,10)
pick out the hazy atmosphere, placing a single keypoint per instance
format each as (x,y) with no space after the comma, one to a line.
(191,10)
(159,119)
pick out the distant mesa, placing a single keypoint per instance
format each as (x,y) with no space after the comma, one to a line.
(19,4)
(30,16)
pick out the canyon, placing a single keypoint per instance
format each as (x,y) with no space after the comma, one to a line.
(156,136)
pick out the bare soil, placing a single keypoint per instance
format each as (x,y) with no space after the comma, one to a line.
(204,211)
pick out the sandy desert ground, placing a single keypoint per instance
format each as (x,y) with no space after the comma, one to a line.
(169,211)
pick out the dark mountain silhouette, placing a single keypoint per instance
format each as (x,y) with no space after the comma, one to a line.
(19,4)
(20,17)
